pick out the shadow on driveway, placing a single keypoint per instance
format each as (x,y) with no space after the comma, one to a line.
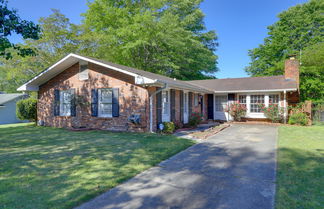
(233,169)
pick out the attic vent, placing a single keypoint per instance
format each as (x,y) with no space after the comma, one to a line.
(83,71)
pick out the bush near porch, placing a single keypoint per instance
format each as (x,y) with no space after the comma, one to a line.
(44,167)
(236,110)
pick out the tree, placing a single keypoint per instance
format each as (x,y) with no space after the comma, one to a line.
(298,28)
(312,73)
(10,23)
(27,109)
(162,36)
(58,38)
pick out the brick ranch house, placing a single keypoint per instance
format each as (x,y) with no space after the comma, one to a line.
(84,92)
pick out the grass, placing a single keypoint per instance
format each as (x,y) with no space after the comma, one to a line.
(300,176)
(44,167)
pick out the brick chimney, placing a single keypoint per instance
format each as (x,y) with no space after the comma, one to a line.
(292,69)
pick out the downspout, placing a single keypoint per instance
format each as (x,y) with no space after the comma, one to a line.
(151,105)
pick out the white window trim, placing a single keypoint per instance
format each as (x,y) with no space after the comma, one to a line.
(62,113)
(99,104)
(185,107)
(250,114)
(226,114)
(166,116)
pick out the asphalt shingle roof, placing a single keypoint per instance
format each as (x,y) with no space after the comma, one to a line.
(248,83)
(4,98)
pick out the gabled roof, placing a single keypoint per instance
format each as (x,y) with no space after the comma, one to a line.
(141,77)
(4,98)
(248,84)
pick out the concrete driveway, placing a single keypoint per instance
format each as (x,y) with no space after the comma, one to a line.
(233,169)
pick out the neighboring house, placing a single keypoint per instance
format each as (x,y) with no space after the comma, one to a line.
(81,91)
(8,108)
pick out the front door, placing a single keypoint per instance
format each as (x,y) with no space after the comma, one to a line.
(220,105)
(185,108)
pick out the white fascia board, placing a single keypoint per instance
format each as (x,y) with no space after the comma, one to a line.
(181,87)
(251,91)
(25,86)
(138,78)
(30,87)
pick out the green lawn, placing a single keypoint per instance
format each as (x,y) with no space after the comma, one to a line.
(300,176)
(54,168)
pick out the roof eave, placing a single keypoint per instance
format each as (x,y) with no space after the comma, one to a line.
(261,90)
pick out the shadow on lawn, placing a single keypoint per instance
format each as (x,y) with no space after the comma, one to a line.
(300,178)
(54,168)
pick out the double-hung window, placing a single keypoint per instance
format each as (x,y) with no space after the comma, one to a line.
(242,100)
(274,99)
(255,102)
(196,99)
(65,103)
(105,102)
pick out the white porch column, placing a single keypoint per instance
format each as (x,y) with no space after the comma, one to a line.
(266,100)
(248,101)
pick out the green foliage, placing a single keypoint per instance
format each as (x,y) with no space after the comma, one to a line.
(236,110)
(298,118)
(11,23)
(273,112)
(300,28)
(169,127)
(312,73)
(58,38)
(27,109)
(195,119)
(318,112)
(162,36)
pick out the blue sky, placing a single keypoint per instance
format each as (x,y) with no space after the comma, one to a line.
(240,24)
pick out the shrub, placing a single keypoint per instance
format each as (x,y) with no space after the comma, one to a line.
(178,124)
(27,109)
(298,118)
(273,112)
(168,128)
(195,119)
(236,110)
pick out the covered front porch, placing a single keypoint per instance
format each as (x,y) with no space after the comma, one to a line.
(218,102)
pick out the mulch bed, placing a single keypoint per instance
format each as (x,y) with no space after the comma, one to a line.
(210,132)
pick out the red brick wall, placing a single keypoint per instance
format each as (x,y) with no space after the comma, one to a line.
(132,99)
(292,70)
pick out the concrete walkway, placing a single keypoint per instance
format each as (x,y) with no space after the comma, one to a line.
(233,169)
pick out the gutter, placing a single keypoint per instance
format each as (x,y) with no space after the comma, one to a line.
(151,104)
